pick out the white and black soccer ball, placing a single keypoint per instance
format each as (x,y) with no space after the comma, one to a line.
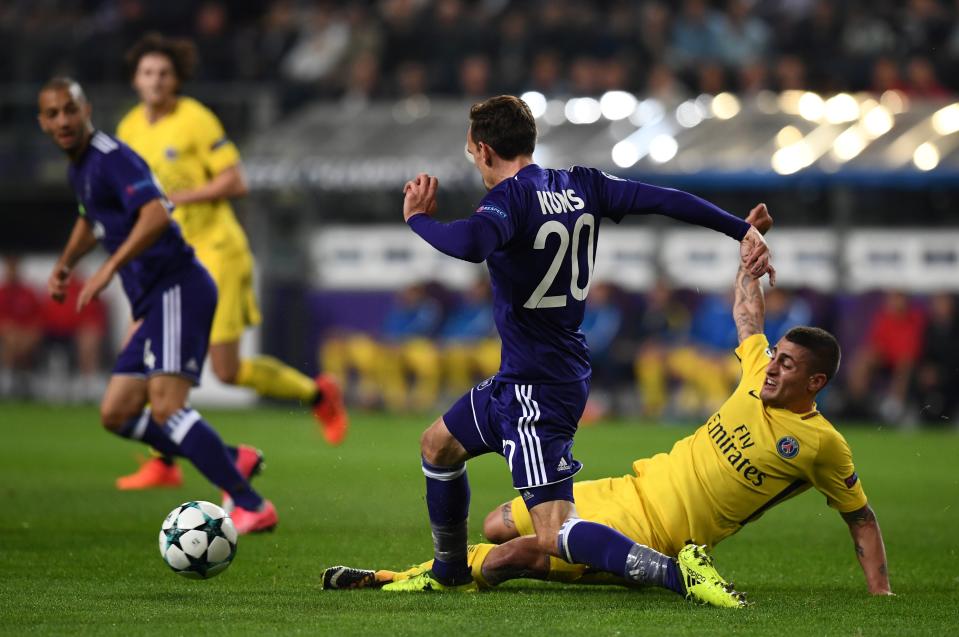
(198,540)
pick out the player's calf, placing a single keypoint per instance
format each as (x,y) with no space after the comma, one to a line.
(498,527)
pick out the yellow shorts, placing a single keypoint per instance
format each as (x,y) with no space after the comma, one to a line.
(610,501)
(236,309)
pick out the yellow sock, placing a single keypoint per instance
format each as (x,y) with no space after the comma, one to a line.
(275,379)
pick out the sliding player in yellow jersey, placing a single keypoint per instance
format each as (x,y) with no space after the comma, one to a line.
(767,443)
(199,167)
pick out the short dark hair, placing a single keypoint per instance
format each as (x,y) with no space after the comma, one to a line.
(64,83)
(506,124)
(822,346)
(180,51)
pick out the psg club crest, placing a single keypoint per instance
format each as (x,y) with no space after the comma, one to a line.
(787,447)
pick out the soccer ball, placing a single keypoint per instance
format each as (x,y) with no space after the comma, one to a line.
(198,540)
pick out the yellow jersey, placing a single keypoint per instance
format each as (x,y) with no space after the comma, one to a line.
(745,459)
(186,149)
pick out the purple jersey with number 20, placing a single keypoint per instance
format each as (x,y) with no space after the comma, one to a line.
(545,225)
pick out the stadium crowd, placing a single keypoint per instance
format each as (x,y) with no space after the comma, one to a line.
(394,48)
(664,354)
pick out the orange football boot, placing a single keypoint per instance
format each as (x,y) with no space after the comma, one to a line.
(330,411)
(152,474)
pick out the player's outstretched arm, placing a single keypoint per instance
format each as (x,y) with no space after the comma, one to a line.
(472,239)
(623,196)
(870,550)
(228,184)
(152,222)
(749,306)
(79,244)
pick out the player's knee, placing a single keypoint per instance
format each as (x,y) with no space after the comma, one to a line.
(498,527)
(162,410)
(114,417)
(225,371)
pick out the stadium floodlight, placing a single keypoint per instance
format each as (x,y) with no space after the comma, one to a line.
(788,136)
(811,106)
(946,120)
(688,114)
(725,106)
(877,121)
(582,110)
(926,156)
(536,102)
(555,113)
(849,144)
(895,101)
(793,158)
(663,148)
(647,112)
(625,154)
(841,108)
(617,105)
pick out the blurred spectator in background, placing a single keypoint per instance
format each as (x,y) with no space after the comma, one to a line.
(883,366)
(694,34)
(743,38)
(399,369)
(602,322)
(78,337)
(706,366)
(663,323)
(319,48)
(214,40)
(784,311)
(468,344)
(921,80)
(21,329)
(937,372)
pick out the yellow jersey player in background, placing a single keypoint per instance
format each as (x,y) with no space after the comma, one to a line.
(767,443)
(199,168)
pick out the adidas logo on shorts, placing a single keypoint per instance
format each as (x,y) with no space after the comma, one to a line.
(563,465)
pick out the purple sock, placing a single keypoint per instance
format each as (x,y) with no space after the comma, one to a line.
(200,443)
(448,502)
(187,434)
(606,549)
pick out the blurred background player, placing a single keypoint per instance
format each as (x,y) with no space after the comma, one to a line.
(467,340)
(199,167)
(21,328)
(399,368)
(172,297)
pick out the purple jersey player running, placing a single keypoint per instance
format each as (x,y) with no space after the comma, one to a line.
(172,297)
(537,230)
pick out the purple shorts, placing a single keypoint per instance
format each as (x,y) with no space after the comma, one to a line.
(175,333)
(531,426)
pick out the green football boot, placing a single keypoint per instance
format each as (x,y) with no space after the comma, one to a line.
(703,582)
(426,581)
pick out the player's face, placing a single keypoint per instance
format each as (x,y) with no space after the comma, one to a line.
(480,158)
(65,117)
(789,380)
(155,80)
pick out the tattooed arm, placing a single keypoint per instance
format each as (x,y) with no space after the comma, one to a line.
(749,306)
(870,549)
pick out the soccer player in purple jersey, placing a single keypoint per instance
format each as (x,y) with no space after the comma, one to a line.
(537,230)
(172,297)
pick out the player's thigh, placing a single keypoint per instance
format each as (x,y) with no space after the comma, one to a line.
(236,308)
(168,394)
(123,400)
(440,448)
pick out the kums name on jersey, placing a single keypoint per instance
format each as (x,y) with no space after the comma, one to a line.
(554,203)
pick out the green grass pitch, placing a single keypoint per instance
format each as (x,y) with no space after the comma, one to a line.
(78,557)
